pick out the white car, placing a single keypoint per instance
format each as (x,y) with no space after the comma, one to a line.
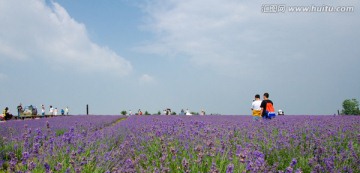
(280,112)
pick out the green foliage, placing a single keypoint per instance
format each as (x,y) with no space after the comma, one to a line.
(159,113)
(123,112)
(173,113)
(350,107)
(60,132)
(147,113)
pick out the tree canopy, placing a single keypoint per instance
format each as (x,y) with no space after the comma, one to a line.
(350,107)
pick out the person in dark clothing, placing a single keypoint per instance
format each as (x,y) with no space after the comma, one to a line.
(267,107)
(6,114)
(19,109)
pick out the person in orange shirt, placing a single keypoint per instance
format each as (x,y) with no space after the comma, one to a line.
(267,107)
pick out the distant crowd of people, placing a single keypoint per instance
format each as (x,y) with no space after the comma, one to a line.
(54,111)
(31,111)
(260,109)
(168,111)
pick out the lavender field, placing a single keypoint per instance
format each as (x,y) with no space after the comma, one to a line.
(181,144)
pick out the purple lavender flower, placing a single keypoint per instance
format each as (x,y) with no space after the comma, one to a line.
(329,162)
(31,166)
(298,171)
(293,162)
(13,161)
(347,169)
(213,168)
(25,157)
(58,167)
(68,170)
(36,148)
(185,163)
(289,170)
(47,124)
(230,168)
(47,167)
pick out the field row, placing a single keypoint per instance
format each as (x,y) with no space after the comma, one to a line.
(181,144)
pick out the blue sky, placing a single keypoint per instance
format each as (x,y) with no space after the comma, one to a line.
(152,54)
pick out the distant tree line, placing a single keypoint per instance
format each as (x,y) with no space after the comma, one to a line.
(350,107)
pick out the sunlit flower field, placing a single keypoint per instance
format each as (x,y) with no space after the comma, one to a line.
(181,144)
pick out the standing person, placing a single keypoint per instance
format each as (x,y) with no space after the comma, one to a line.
(55,111)
(255,107)
(202,112)
(42,110)
(66,111)
(51,111)
(267,107)
(188,112)
(19,109)
(62,112)
(182,112)
(168,111)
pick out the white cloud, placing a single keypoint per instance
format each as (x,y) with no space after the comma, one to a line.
(34,29)
(234,35)
(146,79)
(209,31)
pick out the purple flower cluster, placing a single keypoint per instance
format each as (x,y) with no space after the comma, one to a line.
(237,144)
(184,144)
(15,128)
(43,144)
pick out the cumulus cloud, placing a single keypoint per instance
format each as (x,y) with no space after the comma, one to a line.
(37,29)
(206,30)
(232,34)
(146,79)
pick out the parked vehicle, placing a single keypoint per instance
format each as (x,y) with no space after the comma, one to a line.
(280,112)
(28,111)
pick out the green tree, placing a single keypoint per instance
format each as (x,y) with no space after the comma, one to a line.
(123,112)
(147,113)
(350,107)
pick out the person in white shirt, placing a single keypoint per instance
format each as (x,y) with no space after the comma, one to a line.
(255,107)
(55,111)
(42,110)
(66,111)
(51,111)
(188,112)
